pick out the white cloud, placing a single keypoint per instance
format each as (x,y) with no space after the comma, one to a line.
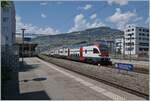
(137,19)
(86,7)
(59,2)
(43,15)
(96,23)
(120,2)
(122,18)
(43,3)
(80,23)
(33,29)
(93,16)
(147,20)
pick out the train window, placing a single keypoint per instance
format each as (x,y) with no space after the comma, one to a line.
(85,51)
(60,51)
(95,50)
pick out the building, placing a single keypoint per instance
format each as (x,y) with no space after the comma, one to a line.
(29,48)
(8,24)
(119,45)
(9,52)
(136,40)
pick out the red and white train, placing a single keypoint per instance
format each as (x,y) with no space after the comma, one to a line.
(95,54)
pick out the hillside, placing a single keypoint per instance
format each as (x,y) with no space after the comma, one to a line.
(86,36)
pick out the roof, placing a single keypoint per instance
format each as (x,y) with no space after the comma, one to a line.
(27,44)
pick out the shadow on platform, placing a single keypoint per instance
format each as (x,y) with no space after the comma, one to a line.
(27,67)
(10,88)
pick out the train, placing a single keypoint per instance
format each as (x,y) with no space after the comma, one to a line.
(94,54)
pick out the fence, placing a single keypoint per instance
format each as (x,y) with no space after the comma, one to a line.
(137,57)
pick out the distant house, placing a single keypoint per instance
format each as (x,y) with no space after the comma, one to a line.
(119,45)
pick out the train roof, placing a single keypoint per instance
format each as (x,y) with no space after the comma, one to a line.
(82,45)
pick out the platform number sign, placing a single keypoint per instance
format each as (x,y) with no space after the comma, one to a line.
(124,66)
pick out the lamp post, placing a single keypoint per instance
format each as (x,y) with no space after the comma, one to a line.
(130,47)
(114,45)
(23,29)
(123,47)
(89,37)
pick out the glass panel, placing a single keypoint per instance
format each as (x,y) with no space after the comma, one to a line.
(95,50)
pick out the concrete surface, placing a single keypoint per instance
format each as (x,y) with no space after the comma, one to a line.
(61,84)
(136,81)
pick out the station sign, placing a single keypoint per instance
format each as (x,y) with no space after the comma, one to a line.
(124,66)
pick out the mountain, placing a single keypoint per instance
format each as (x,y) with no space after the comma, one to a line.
(78,37)
(29,35)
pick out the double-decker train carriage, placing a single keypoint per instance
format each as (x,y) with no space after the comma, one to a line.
(96,54)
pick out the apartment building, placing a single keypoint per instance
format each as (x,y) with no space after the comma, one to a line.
(8,25)
(119,45)
(136,40)
(9,51)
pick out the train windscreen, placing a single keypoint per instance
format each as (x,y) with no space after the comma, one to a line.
(103,47)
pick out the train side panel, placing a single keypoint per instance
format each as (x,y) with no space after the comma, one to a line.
(91,54)
(74,54)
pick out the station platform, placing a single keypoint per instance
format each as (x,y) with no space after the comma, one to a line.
(39,80)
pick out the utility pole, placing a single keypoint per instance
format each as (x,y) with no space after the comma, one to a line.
(89,38)
(130,47)
(123,47)
(23,29)
(114,46)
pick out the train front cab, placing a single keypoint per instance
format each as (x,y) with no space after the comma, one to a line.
(94,55)
(104,56)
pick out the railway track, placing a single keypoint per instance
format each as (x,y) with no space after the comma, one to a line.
(106,82)
(136,69)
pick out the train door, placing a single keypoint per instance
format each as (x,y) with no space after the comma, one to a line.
(81,54)
(68,52)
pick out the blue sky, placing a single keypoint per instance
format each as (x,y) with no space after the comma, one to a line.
(54,17)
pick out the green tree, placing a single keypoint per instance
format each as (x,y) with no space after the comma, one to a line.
(5,4)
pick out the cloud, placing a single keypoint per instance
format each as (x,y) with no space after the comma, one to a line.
(122,18)
(137,19)
(86,7)
(43,15)
(147,20)
(33,29)
(120,2)
(80,23)
(59,2)
(43,3)
(96,23)
(93,16)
